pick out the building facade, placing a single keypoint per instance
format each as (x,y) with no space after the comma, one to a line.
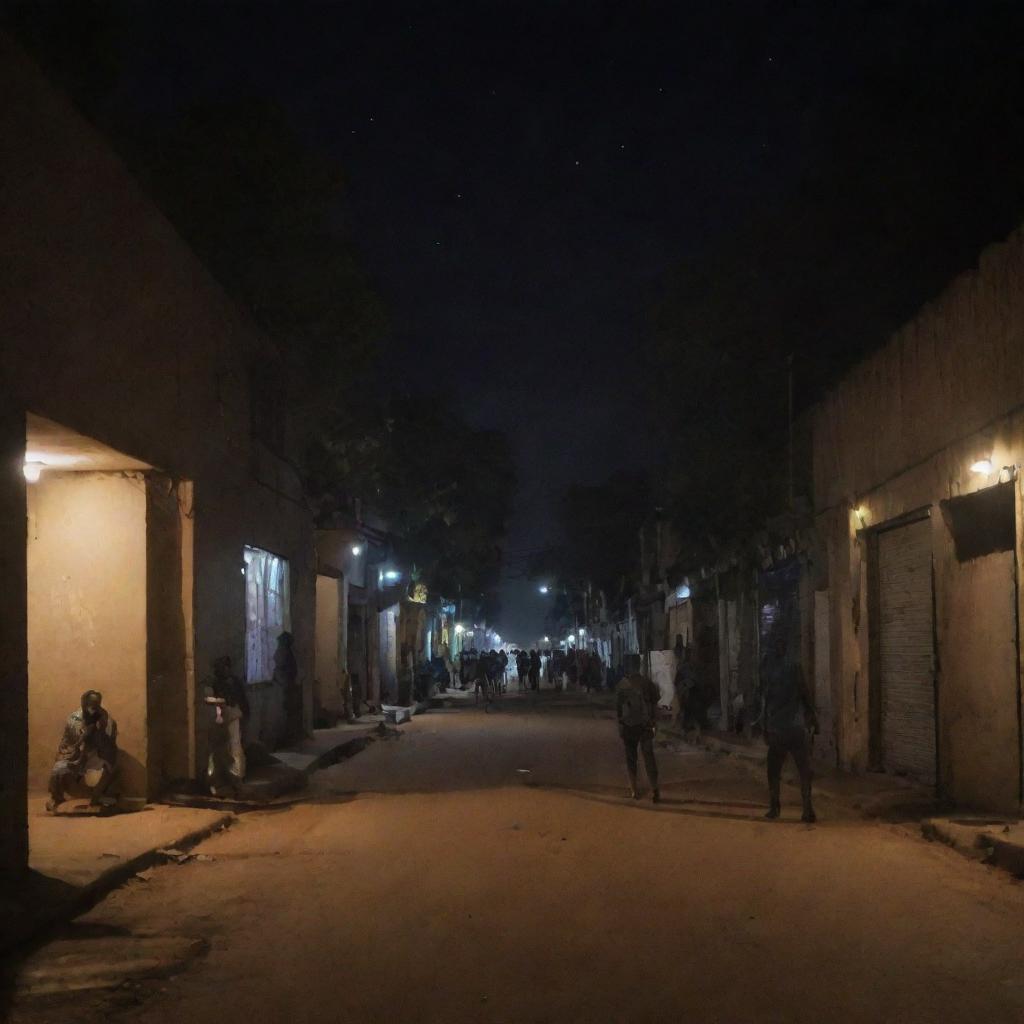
(147,525)
(917,465)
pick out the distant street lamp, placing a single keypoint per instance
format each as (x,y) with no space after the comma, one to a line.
(356,550)
(543,588)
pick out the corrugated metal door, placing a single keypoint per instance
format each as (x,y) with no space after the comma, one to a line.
(906,651)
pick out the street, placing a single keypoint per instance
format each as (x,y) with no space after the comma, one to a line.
(489,867)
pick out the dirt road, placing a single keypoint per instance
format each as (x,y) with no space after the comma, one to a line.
(489,868)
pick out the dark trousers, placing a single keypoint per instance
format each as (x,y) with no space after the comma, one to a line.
(642,736)
(790,741)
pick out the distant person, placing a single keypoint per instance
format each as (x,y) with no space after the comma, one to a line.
(557,668)
(480,676)
(86,754)
(684,683)
(788,714)
(523,669)
(228,709)
(636,703)
(503,658)
(534,670)
(572,669)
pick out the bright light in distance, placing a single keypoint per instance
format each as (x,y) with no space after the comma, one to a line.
(582,631)
(460,628)
(356,550)
(32,471)
(983,466)
(392,575)
(543,589)
(547,639)
(683,592)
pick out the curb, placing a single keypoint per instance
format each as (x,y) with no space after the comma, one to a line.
(979,842)
(88,896)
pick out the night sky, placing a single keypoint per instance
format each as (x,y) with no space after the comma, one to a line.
(522,177)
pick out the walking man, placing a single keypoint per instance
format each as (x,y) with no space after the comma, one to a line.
(788,715)
(636,702)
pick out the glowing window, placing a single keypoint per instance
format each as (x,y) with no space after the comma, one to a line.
(267,611)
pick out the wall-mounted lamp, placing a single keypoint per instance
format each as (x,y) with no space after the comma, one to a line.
(392,575)
(356,550)
(982,466)
(32,471)
(682,593)
(543,588)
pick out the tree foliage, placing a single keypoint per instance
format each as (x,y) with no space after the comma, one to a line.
(442,485)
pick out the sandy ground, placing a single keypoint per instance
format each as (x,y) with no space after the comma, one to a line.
(428,879)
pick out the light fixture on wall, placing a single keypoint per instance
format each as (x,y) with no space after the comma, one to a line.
(682,592)
(982,466)
(356,550)
(32,471)
(543,588)
(392,575)
(460,628)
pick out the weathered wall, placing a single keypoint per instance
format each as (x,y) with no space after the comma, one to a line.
(87,612)
(900,434)
(979,747)
(946,375)
(169,670)
(328,628)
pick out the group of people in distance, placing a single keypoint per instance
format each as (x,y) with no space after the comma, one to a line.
(485,671)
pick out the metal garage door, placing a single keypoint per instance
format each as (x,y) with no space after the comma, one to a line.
(906,651)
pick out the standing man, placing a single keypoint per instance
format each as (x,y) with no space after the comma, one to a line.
(788,713)
(228,708)
(636,703)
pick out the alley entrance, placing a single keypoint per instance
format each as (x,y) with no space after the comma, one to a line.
(109,604)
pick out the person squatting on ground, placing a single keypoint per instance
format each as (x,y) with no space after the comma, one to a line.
(788,714)
(87,753)
(228,708)
(636,704)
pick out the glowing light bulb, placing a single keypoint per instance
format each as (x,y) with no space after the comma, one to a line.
(32,471)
